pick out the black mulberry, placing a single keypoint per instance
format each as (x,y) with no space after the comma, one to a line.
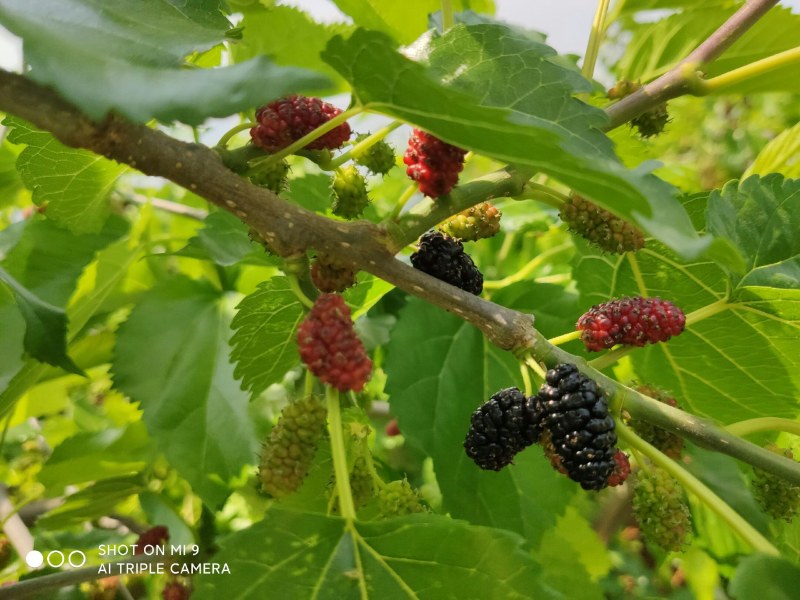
(443,257)
(581,430)
(502,427)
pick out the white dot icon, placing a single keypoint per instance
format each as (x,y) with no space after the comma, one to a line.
(34,558)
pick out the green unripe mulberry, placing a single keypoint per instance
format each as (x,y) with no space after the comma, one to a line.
(669,443)
(779,498)
(349,193)
(290,448)
(475,223)
(361,483)
(378,158)
(398,498)
(600,227)
(272,177)
(660,509)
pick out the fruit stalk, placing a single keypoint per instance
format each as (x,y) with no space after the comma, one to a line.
(346,507)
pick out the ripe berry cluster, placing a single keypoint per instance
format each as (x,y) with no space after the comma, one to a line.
(433,164)
(329,346)
(443,257)
(284,121)
(569,417)
(633,321)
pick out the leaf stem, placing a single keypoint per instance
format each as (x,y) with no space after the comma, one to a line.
(534,366)
(310,137)
(308,384)
(743,428)
(526,379)
(707,311)
(693,485)
(223,141)
(543,193)
(566,337)
(402,201)
(346,506)
(595,38)
(447,15)
(364,145)
(722,83)
(529,268)
(610,357)
(294,285)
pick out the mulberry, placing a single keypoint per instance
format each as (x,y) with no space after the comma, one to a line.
(329,346)
(433,164)
(581,430)
(6,553)
(378,158)
(475,223)
(349,193)
(290,448)
(666,441)
(779,498)
(634,321)
(502,427)
(600,227)
(622,469)
(660,510)
(284,121)
(175,590)
(443,257)
(155,536)
(650,122)
(398,499)
(330,276)
(272,177)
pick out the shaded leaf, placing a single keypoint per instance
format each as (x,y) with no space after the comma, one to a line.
(97,500)
(224,240)
(172,358)
(295,555)
(264,345)
(134,66)
(766,578)
(440,370)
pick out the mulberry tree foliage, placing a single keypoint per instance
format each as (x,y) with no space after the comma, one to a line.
(387,305)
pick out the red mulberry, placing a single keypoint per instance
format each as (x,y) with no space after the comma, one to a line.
(433,164)
(633,321)
(155,536)
(329,346)
(284,121)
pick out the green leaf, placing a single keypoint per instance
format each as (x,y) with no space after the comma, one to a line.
(295,555)
(761,217)
(134,66)
(95,501)
(720,364)
(73,184)
(45,327)
(440,370)
(264,346)
(495,91)
(172,358)
(766,578)
(780,155)
(97,455)
(403,21)
(224,240)
(10,181)
(289,37)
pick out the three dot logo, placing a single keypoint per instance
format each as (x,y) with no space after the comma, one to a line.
(56,559)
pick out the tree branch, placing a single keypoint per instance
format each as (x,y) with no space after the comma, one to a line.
(291,230)
(677,81)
